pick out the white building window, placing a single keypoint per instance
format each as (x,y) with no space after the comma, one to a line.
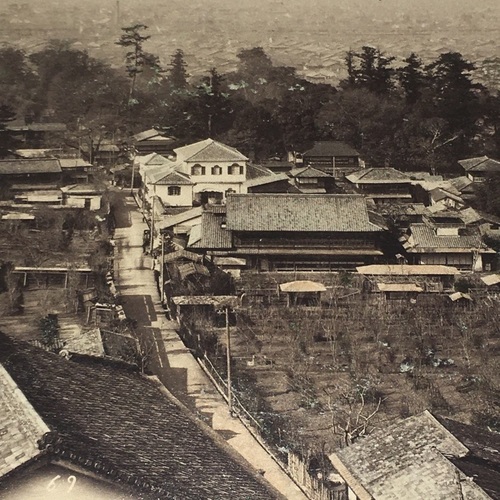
(174,190)
(216,170)
(235,169)
(197,169)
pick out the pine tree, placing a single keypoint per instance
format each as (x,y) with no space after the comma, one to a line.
(455,93)
(133,39)
(177,74)
(412,78)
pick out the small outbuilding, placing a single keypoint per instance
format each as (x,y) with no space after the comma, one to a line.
(302,292)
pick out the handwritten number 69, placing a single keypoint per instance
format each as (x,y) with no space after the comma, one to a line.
(53,483)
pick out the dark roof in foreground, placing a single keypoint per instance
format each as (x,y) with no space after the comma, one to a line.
(107,413)
(483,461)
(331,148)
(30,166)
(295,212)
(411,459)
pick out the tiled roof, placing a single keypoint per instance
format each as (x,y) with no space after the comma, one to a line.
(118,424)
(266,179)
(147,134)
(382,175)
(210,234)
(483,462)
(480,164)
(253,171)
(439,194)
(308,172)
(295,212)
(209,150)
(424,237)
(407,460)
(20,426)
(185,216)
(331,148)
(162,174)
(469,215)
(30,166)
(461,183)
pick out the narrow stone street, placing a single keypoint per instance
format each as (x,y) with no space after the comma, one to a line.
(172,362)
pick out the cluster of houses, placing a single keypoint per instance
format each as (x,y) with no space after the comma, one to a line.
(319,211)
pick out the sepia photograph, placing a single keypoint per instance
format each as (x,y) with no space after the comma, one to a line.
(249,250)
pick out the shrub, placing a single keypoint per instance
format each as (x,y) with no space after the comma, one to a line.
(49,326)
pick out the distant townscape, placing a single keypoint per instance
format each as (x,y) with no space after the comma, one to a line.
(248,282)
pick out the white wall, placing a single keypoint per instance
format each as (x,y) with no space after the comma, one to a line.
(213,182)
(185,199)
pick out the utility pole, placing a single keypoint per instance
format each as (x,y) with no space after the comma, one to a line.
(132,181)
(162,270)
(152,228)
(228,355)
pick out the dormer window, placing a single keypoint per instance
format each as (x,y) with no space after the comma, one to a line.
(216,170)
(197,169)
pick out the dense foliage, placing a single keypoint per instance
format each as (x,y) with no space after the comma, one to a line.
(410,115)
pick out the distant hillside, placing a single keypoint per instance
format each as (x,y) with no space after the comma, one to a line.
(313,36)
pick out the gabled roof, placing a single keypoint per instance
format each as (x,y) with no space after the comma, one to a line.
(308,172)
(151,159)
(30,166)
(480,164)
(412,459)
(381,175)
(109,419)
(208,150)
(174,178)
(298,212)
(168,173)
(21,426)
(331,148)
(182,254)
